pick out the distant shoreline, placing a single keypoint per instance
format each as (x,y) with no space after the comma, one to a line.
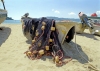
(12,22)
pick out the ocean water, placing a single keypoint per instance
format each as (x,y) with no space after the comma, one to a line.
(12,22)
(19,22)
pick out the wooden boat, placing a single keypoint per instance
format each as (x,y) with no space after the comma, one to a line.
(96,24)
(3,13)
(93,21)
(64,29)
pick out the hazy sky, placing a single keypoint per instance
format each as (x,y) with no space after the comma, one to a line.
(57,8)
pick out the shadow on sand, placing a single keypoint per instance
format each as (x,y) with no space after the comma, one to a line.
(4,34)
(75,52)
(88,35)
(28,41)
(71,51)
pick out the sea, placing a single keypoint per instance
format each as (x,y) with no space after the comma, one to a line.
(19,22)
(12,22)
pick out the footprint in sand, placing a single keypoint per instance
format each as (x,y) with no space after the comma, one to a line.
(29,68)
(19,65)
(3,59)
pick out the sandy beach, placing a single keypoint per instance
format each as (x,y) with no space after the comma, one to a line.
(13,44)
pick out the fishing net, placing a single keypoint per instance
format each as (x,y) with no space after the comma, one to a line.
(44,40)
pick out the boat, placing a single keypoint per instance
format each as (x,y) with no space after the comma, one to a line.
(96,24)
(65,28)
(3,13)
(89,22)
(47,37)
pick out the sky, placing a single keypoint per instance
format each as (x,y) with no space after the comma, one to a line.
(55,8)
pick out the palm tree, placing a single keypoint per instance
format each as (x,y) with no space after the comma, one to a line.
(3,4)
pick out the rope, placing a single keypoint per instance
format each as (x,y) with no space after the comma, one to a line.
(91,66)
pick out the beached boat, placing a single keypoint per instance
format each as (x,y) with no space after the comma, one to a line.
(96,24)
(47,37)
(3,13)
(65,29)
(89,22)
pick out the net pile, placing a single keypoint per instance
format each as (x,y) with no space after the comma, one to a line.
(44,40)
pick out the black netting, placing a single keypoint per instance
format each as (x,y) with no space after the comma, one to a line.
(44,39)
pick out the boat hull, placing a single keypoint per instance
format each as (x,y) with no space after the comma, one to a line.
(63,29)
(80,29)
(3,15)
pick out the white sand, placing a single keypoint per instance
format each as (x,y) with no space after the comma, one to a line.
(13,45)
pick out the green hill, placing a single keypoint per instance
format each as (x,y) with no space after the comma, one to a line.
(9,18)
(61,19)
